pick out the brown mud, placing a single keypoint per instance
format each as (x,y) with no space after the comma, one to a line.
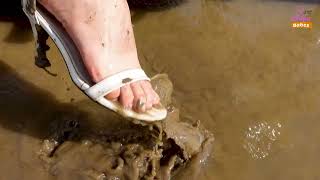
(237,66)
(131,151)
(72,147)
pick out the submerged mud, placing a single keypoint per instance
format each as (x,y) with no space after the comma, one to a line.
(135,150)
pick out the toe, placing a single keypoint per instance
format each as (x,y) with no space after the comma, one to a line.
(126,97)
(149,93)
(139,100)
(156,99)
(113,96)
(153,94)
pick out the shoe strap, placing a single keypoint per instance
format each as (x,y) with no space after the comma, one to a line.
(115,81)
(29,6)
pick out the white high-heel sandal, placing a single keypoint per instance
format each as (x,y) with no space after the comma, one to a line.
(44,24)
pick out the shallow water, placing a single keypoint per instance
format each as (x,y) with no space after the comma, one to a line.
(237,66)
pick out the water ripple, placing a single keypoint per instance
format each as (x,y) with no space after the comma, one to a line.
(259,138)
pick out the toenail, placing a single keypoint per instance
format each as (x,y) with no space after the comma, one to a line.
(141,103)
(158,106)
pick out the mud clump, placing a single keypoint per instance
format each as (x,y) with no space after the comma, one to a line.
(134,150)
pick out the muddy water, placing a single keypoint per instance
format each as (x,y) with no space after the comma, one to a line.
(237,66)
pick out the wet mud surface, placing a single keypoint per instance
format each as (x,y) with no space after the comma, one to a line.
(237,67)
(72,146)
(135,150)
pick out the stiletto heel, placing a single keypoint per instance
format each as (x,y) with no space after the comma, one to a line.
(39,34)
(41,59)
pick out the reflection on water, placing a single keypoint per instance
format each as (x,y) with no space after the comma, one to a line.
(231,62)
(259,138)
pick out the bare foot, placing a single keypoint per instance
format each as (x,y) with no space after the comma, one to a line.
(102,31)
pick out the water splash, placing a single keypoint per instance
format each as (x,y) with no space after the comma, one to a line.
(259,138)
